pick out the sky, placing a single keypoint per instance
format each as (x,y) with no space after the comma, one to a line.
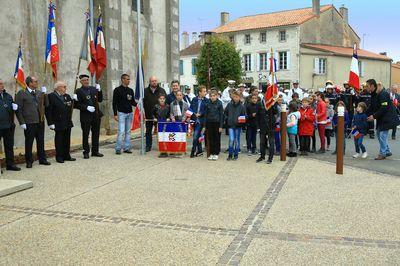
(377,22)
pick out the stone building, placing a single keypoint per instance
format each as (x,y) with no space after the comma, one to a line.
(286,32)
(160,35)
(396,73)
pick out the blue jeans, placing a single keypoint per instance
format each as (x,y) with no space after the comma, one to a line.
(234,141)
(383,142)
(359,145)
(124,129)
(277,136)
(197,146)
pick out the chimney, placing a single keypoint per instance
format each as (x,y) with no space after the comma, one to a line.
(185,40)
(344,11)
(224,18)
(383,53)
(194,37)
(316,7)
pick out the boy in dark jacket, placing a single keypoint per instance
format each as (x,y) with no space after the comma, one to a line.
(235,114)
(252,109)
(359,129)
(198,107)
(161,113)
(214,119)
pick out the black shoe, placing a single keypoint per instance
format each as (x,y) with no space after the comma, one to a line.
(313,150)
(59,161)
(321,151)
(162,155)
(148,149)
(235,158)
(334,153)
(28,165)
(269,161)
(229,158)
(393,137)
(371,136)
(97,154)
(199,154)
(389,154)
(260,159)
(85,156)
(192,155)
(70,159)
(13,168)
(44,163)
(118,152)
(128,151)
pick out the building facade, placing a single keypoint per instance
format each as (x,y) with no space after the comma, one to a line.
(396,73)
(160,35)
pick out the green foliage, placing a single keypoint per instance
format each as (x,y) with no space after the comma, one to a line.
(225,63)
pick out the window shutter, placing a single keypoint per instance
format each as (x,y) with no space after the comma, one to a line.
(276,56)
(258,62)
(288,59)
(316,66)
(252,63)
(362,72)
(268,64)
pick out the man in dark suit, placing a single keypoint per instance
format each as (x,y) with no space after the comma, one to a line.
(395,97)
(58,114)
(7,126)
(87,99)
(31,102)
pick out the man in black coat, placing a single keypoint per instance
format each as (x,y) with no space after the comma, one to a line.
(58,114)
(384,112)
(87,99)
(7,126)
(266,123)
(150,100)
(395,97)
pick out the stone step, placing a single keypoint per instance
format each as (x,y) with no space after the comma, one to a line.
(8,186)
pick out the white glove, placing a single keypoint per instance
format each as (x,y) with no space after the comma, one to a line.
(91,109)
(352,92)
(15,106)
(23,126)
(98,87)
(75,97)
(44,90)
(52,127)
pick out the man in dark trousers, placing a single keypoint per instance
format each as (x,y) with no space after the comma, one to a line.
(266,122)
(87,100)
(123,100)
(150,100)
(384,112)
(58,114)
(7,126)
(31,118)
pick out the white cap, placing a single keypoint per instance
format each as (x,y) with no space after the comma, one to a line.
(330,86)
(231,82)
(242,85)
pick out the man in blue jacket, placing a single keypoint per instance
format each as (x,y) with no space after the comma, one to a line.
(198,107)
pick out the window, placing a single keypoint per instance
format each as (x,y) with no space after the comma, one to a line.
(247,39)
(282,36)
(263,61)
(283,61)
(181,67)
(263,37)
(247,62)
(194,67)
(134,6)
(232,39)
(320,66)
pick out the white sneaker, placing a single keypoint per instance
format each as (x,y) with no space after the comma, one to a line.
(211,158)
(356,155)
(364,155)
(215,157)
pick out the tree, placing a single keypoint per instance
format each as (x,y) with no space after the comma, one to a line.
(225,63)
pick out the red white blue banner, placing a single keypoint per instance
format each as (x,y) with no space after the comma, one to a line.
(354,78)
(52,55)
(19,74)
(172,137)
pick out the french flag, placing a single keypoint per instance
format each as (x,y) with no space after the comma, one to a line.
(172,137)
(52,55)
(272,91)
(19,74)
(242,119)
(101,53)
(354,79)
(88,51)
(139,110)
(356,134)
(189,113)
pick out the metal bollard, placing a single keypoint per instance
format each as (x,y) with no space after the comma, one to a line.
(340,141)
(283,132)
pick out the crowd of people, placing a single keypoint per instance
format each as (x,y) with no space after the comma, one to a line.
(209,114)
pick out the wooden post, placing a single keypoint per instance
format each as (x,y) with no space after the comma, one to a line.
(283,132)
(340,141)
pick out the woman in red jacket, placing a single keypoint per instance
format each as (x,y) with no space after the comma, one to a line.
(306,126)
(321,120)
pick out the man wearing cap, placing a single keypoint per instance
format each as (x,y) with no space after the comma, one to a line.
(226,94)
(7,126)
(365,97)
(31,118)
(59,119)
(295,89)
(331,94)
(87,99)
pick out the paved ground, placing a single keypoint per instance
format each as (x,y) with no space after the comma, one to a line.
(130,209)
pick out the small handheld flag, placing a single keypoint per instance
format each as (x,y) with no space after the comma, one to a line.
(189,113)
(52,55)
(354,78)
(242,119)
(356,134)
(202,138)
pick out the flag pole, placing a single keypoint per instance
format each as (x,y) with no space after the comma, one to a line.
(91,12)
(142,151)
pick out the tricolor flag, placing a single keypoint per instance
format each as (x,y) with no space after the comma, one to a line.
(189,113)
(172,137)
(242,119)
(139,108)
(354,79)
(101,54)
(88,51)
(272,91)
(19,74)
(356,134)
(202,138)
(52,55)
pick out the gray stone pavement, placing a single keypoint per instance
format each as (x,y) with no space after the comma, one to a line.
(142,210)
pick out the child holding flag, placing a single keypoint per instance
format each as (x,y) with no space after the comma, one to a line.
(292,128)
(359,129)
(235,117)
